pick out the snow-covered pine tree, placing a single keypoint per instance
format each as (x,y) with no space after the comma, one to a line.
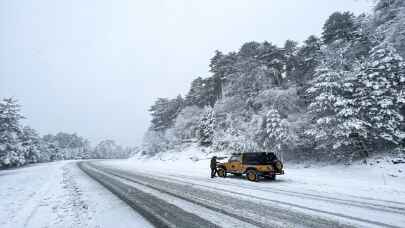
(339,26)
(206,128)
(308,57)
(332,111)
(335,112)
(31,142)
(291,60)
(55,152)
(50,150)
(381,93)
(276,133)
(165,111)
(11,151)
(350,129)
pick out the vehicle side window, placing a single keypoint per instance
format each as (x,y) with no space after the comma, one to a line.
(235,159)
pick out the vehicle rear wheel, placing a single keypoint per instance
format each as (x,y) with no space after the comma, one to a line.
(251,175)
(221,172)
(279,166)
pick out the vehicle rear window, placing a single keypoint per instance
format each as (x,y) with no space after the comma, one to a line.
(256,158)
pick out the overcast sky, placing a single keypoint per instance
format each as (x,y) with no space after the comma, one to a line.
(94,67)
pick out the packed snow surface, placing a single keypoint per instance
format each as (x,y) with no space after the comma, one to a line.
(59,194)
(378,173)
(379,178)
(348,190)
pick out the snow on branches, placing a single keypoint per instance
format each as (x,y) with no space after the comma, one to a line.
(11,151)
(380,92)
(206,127)
(276,132)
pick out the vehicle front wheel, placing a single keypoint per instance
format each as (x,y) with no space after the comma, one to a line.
(251,175)
(221,172)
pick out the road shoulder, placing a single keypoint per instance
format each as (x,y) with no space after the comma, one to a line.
(59,194)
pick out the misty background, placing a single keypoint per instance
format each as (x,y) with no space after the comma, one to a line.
(95,67)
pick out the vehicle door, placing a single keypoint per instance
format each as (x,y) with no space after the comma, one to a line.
(235,164)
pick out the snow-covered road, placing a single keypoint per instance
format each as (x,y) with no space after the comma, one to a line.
(179,193)
(292,201)
(59,194)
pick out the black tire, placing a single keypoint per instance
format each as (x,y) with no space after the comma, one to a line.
(221,172)
(271,177)
(251,175)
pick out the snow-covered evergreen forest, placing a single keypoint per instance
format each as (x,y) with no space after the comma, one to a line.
(337,97)
(21,145)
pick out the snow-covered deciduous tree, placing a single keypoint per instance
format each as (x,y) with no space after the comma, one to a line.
(154,142)
(70,146)
(207,128)
(108,149)
(276,133)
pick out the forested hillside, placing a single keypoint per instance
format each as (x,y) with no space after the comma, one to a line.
(21,145)
(336,97)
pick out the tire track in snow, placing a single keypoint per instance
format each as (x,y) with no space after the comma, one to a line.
(255,213)
(207,187)
(355,203)
(155,210)
(43,193)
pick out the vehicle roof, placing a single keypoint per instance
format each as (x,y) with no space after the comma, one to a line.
(259,152)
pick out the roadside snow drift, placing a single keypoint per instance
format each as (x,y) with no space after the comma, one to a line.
(60,195)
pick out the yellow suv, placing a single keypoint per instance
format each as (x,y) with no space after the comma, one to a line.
(254,165)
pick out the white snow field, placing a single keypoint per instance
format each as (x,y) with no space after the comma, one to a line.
(365,195)
(59,194)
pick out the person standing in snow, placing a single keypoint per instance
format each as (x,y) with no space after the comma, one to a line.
(213,166)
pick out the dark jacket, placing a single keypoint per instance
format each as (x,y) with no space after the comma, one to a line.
(213,163)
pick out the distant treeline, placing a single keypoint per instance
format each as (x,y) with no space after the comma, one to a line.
(21,145)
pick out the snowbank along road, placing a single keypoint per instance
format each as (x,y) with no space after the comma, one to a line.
(179,200)
(60,195)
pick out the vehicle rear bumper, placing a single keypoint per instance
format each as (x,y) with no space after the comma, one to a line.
(273,173)
(280,173)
